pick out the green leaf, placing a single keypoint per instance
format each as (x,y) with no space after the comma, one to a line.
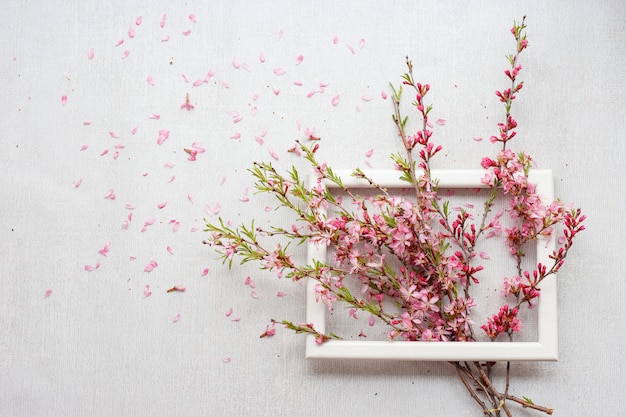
(528,400)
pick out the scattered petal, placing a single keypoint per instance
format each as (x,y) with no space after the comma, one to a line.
(226,359)
(351,49)
(131,32)
(138,21)
(163,135)
(249,282)
(383,94)
(176,318)
(150,266)
(90,268)
(369,153)
(163,19)
(150,80)
(484,255)
(146,291)
(335,100)
(371,321)
(162,205)
(121,41)
(361,43)
(236,63)
(47,293)
(177,288)
(63,100)
(205,271)
(478,139)
(279,71)
(192,17)
(299,59)
(90,54)
(276,91)
(105,250)
(336,40)
(170,250)
(187,32)
(154,116)
(367,98)
(273,154)
(441,122)
(281,294)
(261,57)
(78,183)
(125,54)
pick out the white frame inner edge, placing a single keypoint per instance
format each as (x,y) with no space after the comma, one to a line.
(544,349)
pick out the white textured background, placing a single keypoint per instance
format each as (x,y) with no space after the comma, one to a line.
(97,347)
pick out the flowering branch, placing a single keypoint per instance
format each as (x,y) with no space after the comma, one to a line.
(415,261)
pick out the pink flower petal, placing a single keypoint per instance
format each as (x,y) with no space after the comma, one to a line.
(170,250)
(441,122)
(90,54)
(163,135)
(134,131)
(279,71)
(163,19)
(236,63)
(478,139)
(63,100)
(273,154)
(192,17)
(131,32)
(176,318)
(121,41)
(261,57)
(367,98)
(125,54)
(162,205)
(371,321)
(351,49)
(361,43)
(335,100)
(276,91)
(47,293)
(249,282)
(187,32)
(281,294)
(336,39)
(205,271)
(299,59)
(90,268)
(369,153)
(138,21)
(383,94)
(484,255)
(150,80)
(146,291)
(105,250)
(78,183)
(226,359)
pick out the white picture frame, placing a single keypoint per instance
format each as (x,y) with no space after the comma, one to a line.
(544,349)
